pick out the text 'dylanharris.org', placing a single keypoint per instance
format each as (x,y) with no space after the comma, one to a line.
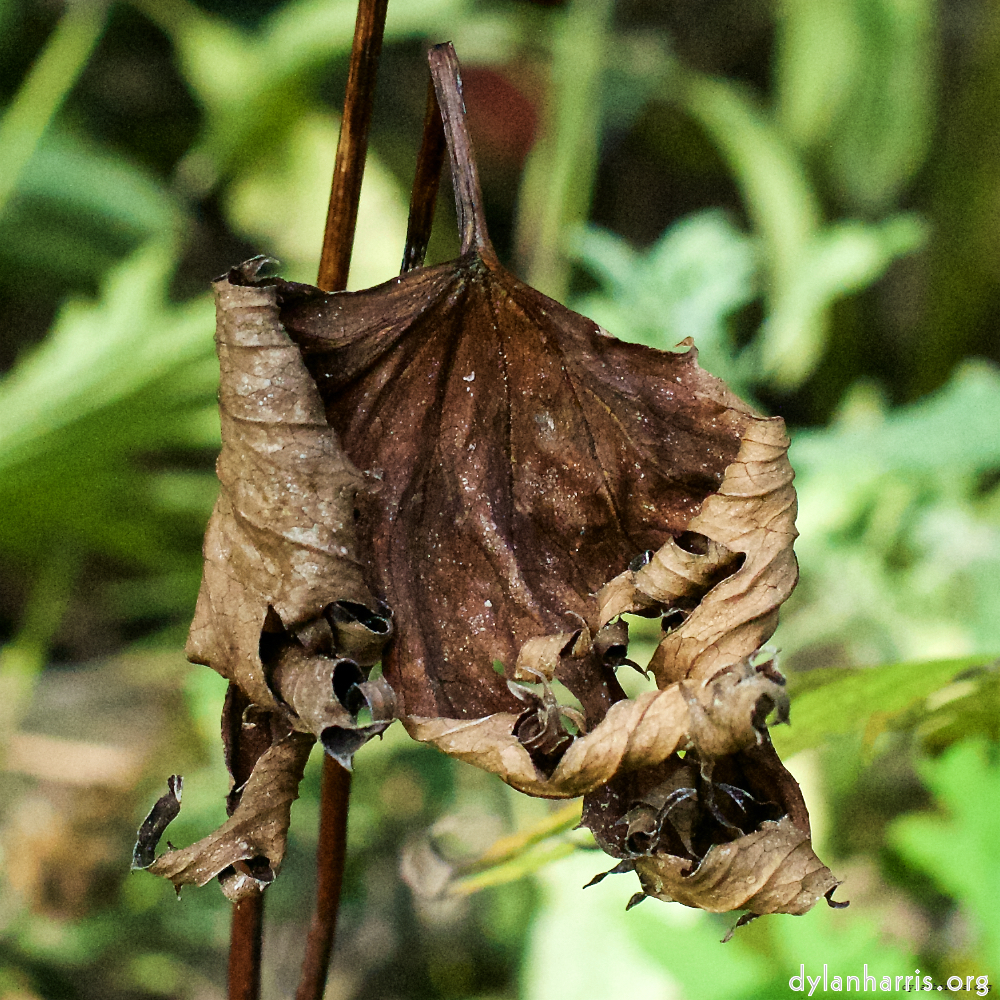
(869,981)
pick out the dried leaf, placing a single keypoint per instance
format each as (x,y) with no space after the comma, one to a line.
(283,611)
(247,850)
(163,813)
(772,870)
(723,833)
(753,513)
(529,480)
(719,717)
(525,458)
(543,655)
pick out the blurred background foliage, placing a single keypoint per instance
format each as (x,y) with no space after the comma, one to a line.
(809,190)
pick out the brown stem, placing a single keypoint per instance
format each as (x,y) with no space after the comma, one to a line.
(335,262)
(423,197)
(245,935)
(342,215)
(329,876)
(465,177)
(244,742)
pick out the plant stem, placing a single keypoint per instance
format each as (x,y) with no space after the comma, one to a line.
(244,747)
(352,147)
(245,935)
(335,262)
(423,197)
(330,855)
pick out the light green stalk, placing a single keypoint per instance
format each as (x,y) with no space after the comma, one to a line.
(559,176)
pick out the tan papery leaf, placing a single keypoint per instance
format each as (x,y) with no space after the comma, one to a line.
(772,870)
(726,832)
(716,718)
(247,850)
(283,611)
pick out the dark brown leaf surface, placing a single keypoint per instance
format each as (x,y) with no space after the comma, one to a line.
(525,457)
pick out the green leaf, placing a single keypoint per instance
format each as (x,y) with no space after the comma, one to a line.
(78,210)
(42,93)
(922,437)
(839,259)
(957,847)
(882,135)
(808,266)
(280,202)
(582,942)
(837,942)
(855,81)
(88,182)
(899,532)
(559,175)
(251,84)
(115,379)
(700,271)
(867,701)
(779,198)
(816,60)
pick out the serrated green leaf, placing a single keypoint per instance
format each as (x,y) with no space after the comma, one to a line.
(957,847)
(921,437)
(867,701)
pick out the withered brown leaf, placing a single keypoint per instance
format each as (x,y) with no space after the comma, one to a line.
(525,456)
(724,834)
(529,480)
(539,479)
(527,459)
(247,850)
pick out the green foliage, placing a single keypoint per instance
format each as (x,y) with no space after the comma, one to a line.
(589,945)
(79,207)
(957,847)
(869,701)
(688,284)
(115,380)
(855,89)
(899,528)
(54,73)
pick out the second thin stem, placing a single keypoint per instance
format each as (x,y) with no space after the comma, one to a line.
(335,261)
